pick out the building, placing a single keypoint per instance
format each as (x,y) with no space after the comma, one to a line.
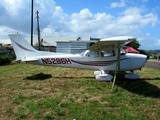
(64,44)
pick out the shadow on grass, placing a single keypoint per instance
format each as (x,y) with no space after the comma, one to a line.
(140,86)
(40,76)
(69,77)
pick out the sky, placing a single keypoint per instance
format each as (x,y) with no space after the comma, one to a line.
(95,18)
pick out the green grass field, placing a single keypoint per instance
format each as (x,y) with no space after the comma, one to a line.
(46,93)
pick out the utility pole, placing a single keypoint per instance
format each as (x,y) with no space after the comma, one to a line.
(38,30)
(32,23)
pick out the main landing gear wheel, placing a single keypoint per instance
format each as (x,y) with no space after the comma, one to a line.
(131,76)
(103,76)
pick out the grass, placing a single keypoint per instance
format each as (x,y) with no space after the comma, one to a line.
(46,93)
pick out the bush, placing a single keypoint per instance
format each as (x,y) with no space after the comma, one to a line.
(6,59)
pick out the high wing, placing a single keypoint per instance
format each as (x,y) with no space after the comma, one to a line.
(111,43)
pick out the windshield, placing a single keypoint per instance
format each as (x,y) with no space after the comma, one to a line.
(123,51)
(83,53)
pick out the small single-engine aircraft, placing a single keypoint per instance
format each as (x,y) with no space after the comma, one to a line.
(103,56)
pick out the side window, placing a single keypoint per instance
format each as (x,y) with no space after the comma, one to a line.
(109,53)
(92,54)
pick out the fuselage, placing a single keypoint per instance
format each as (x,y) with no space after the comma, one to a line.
(103,56)
(128,61)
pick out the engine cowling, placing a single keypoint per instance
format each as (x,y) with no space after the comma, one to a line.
(104,77)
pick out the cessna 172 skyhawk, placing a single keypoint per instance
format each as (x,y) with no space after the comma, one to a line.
(103,56)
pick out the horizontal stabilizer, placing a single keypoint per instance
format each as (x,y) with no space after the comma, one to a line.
(25,60)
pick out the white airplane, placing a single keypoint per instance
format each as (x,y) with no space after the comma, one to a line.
(103,56)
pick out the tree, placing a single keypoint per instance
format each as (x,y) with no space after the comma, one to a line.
(135,44)
(1,45)
(144,52)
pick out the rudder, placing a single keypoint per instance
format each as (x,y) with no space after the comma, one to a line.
(22,48)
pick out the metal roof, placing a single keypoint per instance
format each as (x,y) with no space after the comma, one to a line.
(72,46)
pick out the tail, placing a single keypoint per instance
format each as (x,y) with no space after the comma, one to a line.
(23,50)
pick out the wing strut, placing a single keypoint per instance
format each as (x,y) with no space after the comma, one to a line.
(117,65)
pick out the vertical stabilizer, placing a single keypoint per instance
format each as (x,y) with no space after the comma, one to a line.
(22,48)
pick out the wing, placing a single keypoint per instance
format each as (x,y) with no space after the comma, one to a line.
(111,43)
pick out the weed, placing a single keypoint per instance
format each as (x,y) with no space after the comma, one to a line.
(42,93)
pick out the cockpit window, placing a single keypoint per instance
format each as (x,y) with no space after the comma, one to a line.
(92,54)
(89,53)
(108,53)
(83,53)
